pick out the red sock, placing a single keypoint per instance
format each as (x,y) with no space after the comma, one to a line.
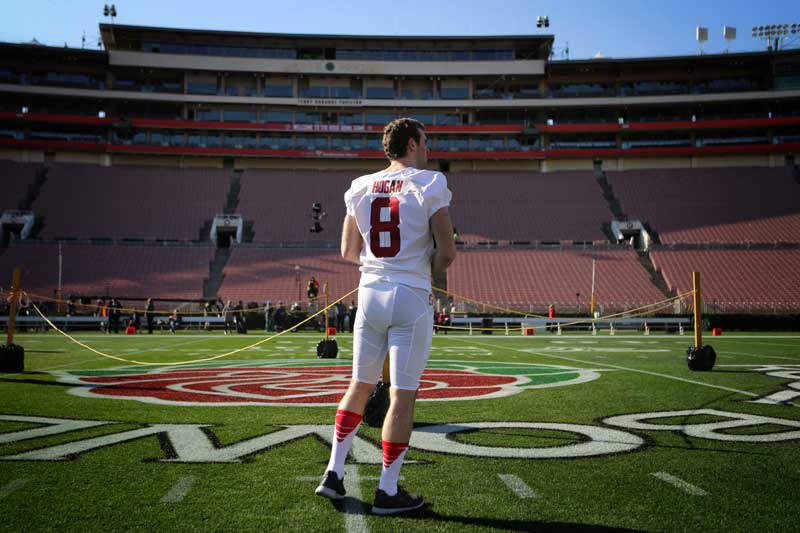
(393,455)
(346,422)
(391,451)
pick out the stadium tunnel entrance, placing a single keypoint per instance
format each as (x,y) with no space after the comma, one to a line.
(632,231)
(226,228)
(15,224)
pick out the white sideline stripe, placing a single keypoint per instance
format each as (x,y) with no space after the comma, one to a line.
(518,487)
(681,484)
(354,514)
(179,490)
(10,487)
(658,374)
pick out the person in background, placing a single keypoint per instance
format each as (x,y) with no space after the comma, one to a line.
(341,312)
(269,316)
(312,289)
(351,311)
(149,310)
(174,320)
(113,315)
(227,313)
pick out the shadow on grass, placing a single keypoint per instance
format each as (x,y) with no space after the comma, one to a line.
(355,506)
(31,381)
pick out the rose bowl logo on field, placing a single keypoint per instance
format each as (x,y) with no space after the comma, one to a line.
(308,383)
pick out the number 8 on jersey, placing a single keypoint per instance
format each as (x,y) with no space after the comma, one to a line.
(384,231)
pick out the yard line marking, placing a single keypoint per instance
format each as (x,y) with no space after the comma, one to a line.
(179,490)
(519,487)
(171,347)
(658,374)
(92,360)
(354,513)
(777,344)
(760,355)
(681,484)
(11,487)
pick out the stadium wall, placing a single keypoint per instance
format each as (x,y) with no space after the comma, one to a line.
(365,165)
(371,165)
(494,166)
(731,161)
(23,156)
(556,165)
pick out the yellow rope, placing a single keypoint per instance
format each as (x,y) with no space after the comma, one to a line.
(210,312)
(131,361)
(658,305)
(460,297)
(631,313)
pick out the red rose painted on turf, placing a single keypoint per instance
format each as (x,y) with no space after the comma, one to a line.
(292,384)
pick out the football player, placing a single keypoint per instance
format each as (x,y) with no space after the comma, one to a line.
(398,230)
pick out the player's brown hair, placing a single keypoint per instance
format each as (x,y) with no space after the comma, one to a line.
(396,135)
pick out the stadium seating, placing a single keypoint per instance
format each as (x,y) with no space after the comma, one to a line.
(14,181)
(528,206)
(533,279)
(486,206)
(279,203)
(260,274)
(702,207)
(730,205)
(749,281)
(88,201)
(117,270)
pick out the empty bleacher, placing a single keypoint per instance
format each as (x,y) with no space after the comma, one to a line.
(528,206)
(713,205)
(260,274)
(530,280)
(116,270)
(15,178)
(89,201)
(279,203)
(709,211)
(745,281)
(486,206)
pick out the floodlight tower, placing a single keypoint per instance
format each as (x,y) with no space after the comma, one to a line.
(775,34)
(701,34)
(111,11)
(729,34)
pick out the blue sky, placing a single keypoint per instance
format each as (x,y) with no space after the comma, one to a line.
(615,28)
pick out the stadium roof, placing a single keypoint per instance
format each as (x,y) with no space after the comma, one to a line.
(122,28)
(126,37)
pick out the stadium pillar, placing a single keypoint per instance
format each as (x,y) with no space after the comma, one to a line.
(12,358)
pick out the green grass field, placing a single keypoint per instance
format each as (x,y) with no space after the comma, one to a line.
(556,433)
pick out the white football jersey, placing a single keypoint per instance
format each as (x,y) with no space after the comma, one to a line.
(393,211)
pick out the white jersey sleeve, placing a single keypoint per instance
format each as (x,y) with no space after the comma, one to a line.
(392,212)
